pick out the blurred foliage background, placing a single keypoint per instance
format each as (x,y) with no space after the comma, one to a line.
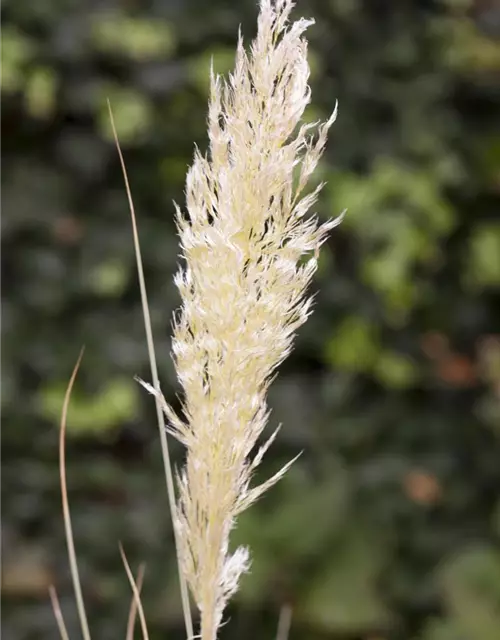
(388,526)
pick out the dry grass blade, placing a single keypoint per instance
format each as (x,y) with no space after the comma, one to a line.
(137,595)
(133,605)
(284,623)
(65,505)
(156,383)
(58,613)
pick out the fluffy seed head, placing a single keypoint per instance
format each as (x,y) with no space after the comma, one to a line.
(244,237)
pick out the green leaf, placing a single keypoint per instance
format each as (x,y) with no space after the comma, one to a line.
(395,370)
(109,279)
(136,38)
(472,592)
(354,346)
(285,543)
(199,67)
(439,629)
(343,595)
(17,50)
(132,113)
(40,92)
(484,257)
(107,410)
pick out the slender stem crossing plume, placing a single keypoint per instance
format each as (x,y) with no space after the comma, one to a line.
(249,255)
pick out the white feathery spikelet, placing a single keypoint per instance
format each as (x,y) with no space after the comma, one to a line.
(243,291)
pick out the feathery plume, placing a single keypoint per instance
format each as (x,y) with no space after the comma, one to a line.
(244,238)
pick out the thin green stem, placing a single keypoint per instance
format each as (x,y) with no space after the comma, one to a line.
(156,384)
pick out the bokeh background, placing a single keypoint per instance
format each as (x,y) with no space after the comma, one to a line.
(388,526)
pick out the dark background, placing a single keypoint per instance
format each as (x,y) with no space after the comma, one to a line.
(388,526)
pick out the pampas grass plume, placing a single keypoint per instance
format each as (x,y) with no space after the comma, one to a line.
(243,286)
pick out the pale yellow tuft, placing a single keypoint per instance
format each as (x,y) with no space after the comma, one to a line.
(243,288)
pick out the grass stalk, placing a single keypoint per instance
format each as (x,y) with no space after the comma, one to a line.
(56,607)
(156,384)
(137,595)
(133,605)
(65,505)
(284,622)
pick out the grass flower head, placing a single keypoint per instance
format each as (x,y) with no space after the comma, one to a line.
(249,255)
